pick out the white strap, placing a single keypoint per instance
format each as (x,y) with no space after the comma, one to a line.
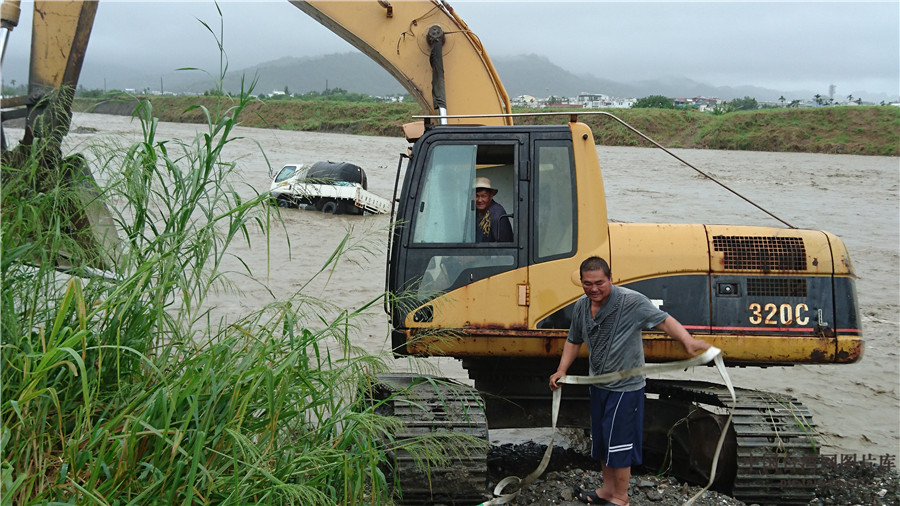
(711,354)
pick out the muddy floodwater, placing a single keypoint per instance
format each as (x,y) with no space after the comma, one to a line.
(856,406)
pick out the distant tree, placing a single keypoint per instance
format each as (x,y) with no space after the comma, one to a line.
(782,99)
(654,102)
(817,99)
(286,92)
(85,93)
(336,95)
(745,104)
(794,103)
(850,98)
(13,90)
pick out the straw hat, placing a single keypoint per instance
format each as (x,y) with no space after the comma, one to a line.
(483,182)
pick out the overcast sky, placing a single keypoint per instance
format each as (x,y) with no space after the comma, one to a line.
(779,45)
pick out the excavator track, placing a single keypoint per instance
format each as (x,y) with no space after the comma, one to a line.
(771,442)
(429,407)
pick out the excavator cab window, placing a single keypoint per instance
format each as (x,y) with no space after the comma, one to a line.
(444,214)
(554,201)
(444,253)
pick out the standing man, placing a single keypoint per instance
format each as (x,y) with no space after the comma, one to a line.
(610,319)
(491,222)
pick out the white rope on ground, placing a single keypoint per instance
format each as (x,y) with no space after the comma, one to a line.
(710,355)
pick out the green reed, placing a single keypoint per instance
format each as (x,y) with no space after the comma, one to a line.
(124,388)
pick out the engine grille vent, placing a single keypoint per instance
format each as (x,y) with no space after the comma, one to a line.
(776,287)
(762,253)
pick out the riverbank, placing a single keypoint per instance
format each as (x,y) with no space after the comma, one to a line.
(858,130)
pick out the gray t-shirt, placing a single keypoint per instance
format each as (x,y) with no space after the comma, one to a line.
(613,335)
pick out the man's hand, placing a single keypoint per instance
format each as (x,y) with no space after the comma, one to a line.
(570,351)
(554,378)
(694,346)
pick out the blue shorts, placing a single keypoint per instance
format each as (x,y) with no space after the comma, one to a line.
(617,427)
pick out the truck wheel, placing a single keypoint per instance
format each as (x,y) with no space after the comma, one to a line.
(330,207)
(284,201)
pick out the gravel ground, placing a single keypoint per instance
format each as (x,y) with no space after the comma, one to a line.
(848,484)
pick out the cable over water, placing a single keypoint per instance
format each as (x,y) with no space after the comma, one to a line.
(574,117)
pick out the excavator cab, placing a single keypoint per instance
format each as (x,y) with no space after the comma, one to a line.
(435,253)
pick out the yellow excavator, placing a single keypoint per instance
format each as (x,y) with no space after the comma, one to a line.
(765,296)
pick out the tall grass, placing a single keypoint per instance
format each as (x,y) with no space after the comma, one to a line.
(125,390)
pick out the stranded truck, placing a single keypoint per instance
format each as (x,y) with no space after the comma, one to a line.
(330,187)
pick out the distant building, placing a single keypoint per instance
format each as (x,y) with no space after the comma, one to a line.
(623,103)
(707,104)
(597,100)
(591,100)
(560,103)
(525,101)
(699,103)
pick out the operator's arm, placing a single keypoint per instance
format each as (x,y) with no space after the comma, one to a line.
(570,351)
(674,329)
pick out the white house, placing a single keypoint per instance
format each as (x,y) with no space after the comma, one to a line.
(590,100)
(525,101)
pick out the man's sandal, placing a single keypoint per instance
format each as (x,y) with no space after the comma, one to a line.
(589,496)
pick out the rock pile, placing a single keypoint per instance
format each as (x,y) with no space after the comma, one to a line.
(847,484)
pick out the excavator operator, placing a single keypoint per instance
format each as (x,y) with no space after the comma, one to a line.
(491,223)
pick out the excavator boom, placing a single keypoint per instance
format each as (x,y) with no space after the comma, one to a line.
(60,34)
(416,41)
(59,39)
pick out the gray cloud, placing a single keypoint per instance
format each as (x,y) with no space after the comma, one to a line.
(783,45)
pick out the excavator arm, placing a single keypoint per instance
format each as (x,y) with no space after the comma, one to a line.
(60,34)
(426,47)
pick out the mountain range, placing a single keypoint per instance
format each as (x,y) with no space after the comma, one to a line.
(521,75)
